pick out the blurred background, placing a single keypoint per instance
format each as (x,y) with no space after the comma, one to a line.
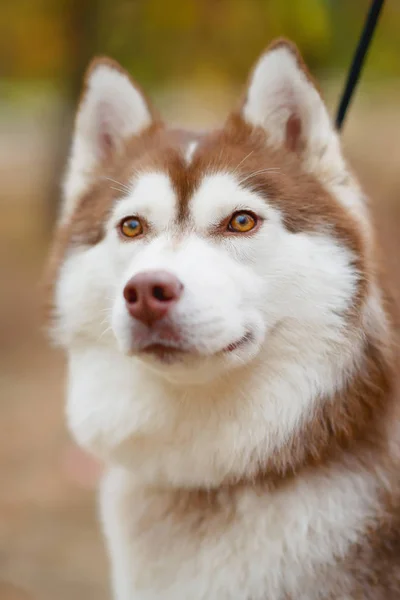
(193,57)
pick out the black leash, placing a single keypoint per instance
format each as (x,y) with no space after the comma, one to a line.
(358,60)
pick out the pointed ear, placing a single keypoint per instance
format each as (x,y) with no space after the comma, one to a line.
(283,99)
(112,109)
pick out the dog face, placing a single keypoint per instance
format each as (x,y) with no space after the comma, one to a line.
(202,260)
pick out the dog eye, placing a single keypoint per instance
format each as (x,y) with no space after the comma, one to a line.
(242,222)
(131,227)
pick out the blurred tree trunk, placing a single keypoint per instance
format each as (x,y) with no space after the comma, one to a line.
(81,19)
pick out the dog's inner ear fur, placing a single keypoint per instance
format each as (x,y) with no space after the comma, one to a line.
(283,100)
(112,109)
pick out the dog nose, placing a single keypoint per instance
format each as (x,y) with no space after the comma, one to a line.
(151,294)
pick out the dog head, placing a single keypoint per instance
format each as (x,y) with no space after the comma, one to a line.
(199,260)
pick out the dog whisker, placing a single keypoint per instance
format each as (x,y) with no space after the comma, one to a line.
(120,183)
(107,330)
(259,172)
(241,162)
(119,186)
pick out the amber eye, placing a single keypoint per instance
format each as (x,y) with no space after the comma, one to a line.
(131,227)
(242,222)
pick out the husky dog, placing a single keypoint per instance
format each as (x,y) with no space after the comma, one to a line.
(230,351)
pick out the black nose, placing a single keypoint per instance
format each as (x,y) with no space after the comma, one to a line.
(151,294)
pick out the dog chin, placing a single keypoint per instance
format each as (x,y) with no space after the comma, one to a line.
(194,364)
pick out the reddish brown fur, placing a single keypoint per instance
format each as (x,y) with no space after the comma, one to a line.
(336,426)
(348,428)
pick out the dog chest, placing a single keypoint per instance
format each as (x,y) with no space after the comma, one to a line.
(248,543)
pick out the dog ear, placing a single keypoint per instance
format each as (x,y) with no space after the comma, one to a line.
(283,99)
(111,110)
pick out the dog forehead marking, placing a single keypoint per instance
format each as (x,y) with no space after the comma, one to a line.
(220,194)
(152,196)
(190,150)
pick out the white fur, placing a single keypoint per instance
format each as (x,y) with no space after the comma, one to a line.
(217,416)
(111,107)
(269,284)
(253,544)
(191,149)
(152,197)
(158,421)
(220,195)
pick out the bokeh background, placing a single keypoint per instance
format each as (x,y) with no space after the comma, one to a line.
(193,57)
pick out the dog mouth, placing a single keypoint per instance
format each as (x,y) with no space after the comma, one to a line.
(163,353)
(248,337)
(168,353)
